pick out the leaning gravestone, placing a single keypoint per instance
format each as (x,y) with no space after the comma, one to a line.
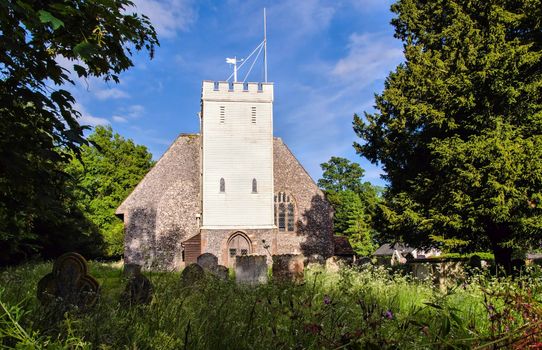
(138,290)
(288,268)
(69,284)
(208,261)
(192,274)
(251,269)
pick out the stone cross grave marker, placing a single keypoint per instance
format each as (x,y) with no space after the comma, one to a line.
(69,283)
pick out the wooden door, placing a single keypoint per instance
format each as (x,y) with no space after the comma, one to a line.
(238,245)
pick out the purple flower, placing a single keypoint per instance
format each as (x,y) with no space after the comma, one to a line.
(327,300)
(388,314)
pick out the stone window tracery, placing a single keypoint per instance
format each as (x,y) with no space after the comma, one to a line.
(284,212)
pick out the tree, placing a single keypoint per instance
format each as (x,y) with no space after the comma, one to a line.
(339,174)
(355,202)
(109,169)
(459,125)
(351,220)
(39,126)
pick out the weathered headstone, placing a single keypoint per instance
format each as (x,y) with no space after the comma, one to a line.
(221,272)
(288,268)
(207,261)
(192,274)
(251,269)
(138,290)
(333,264)
(364,260)
(132,270)
(69,284)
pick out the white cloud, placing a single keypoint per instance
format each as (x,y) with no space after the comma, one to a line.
(168,16)
(119,119)
(130,112)
(371,56)
(113,93)
(88,119)
(300,18)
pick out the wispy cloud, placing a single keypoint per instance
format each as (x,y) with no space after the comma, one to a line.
(111,94)
(88,119)
(129,113)
(168,16)
(370,57)
(119,119)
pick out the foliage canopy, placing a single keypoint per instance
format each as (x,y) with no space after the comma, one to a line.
(39,126)
(459,125)
(109,169)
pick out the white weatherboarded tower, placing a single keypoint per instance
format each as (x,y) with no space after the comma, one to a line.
(237,155)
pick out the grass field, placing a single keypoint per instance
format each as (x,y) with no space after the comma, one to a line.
(371,308)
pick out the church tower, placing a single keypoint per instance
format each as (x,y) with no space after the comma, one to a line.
(237,155)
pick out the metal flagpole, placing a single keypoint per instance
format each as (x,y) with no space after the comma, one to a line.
(264,46)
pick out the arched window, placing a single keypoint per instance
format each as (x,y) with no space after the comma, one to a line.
(254,186)
(222,185)
(284,212)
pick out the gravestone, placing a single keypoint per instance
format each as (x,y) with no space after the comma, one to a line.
(132,270)
(221,272)
(288,268)
(69,283)
(207,261)
(251,269)
(192,274)
(333,264)
(138,290)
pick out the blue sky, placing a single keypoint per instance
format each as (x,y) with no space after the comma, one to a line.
(326,59)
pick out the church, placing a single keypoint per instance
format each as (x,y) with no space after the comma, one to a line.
(232,189)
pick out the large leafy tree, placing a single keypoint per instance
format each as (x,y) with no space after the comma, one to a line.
(39,127)
(108,170)
(458,127)
(355,202)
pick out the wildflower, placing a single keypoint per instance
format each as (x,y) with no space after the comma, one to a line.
(388,314)
(312,328)
(327,300)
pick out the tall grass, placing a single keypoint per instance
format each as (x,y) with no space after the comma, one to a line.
(368,308)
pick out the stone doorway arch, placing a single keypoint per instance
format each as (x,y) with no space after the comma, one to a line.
(238,244)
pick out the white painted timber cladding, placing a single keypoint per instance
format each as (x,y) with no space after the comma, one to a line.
(237,150)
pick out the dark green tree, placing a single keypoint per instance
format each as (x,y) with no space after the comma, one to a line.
(458,127)
(109,169)
(39,127)
(355,202)
(340,174)
(351,220)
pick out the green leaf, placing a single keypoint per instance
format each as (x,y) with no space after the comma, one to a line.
(47,17)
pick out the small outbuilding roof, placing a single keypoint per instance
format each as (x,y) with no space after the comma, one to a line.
(388,249)
(342,246)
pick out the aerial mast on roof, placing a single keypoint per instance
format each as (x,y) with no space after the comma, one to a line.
(259,48)
(264,46)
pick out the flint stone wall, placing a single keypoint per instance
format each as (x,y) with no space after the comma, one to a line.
(161,211)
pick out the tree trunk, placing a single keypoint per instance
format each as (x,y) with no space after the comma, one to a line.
(498,234)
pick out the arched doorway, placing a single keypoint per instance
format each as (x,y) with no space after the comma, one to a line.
(238,244)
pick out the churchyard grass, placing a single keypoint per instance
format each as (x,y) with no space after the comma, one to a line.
(366,308)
